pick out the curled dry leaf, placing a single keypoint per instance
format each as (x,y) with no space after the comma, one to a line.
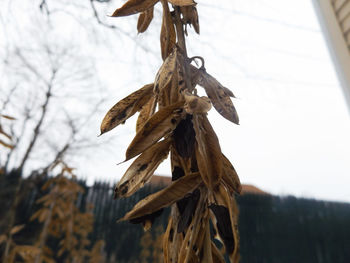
(165,197)
(133,7)
(182,2)
(227,211)
(146,112)
(142,169)
(125,108)
(196,104)
(160,124)
(167,32)
(200,217)
(190,16)
(145,19)
(208,152)
(230,176)
(166,71)
(223,226)
(219,96)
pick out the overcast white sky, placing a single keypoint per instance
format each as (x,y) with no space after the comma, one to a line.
(294,136)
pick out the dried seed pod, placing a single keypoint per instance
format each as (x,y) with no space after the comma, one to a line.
(160,124)
(167,32)
(190,16)
(146,112)
(165,197)
(125,108)
(224,199)
(224,226)
(167,239)
(208,152)
(230,177)
(144,20)
(142,169)
(182,2)
(165,72)
(133,7)
(218,96)
(187,206)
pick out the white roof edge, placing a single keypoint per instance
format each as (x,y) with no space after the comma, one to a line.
(336,44)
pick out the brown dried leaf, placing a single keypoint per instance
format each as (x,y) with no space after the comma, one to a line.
(16,229)
(145,19)
(134,6)
(208,152)
(160,124)
(230,176)
(165,197)
(142,169)
(182,2)
(207,253)
(228,206)
(196,104)
(166,71)
(125,108)
(197,225)
(190,16)
(167,32)
(146,112)
(219,96)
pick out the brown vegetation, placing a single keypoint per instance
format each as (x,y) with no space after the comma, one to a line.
(173,118)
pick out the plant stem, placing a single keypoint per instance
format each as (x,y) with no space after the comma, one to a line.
(182,44)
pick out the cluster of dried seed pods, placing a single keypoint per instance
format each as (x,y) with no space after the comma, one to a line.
(173,118)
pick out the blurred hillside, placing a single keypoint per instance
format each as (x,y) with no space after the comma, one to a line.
(272,228)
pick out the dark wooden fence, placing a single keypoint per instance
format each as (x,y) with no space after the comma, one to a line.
(272,229)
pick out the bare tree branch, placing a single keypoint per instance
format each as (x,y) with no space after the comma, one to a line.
(40,121)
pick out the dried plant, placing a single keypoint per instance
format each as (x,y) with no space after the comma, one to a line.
(63,220)
(204,180)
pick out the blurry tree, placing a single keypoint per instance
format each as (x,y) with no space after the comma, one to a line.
(63,220)
(152,246)
(146,244)
(42,81)
(3,133)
